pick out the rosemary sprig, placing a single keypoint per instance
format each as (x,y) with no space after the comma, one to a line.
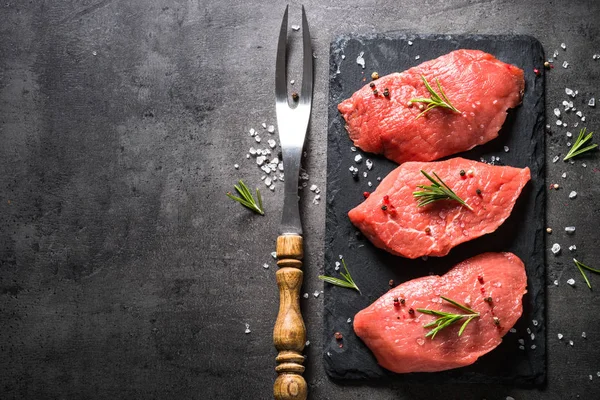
(246,199)
(582,139)
(347,282)
(436,191)
(580,266)
(436,100)
(446,319)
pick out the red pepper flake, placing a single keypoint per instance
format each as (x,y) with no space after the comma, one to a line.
(386,199)
(480,278)
(392,210)
(366,195)
(341,345)
(338,336)
(411,312)
(536,71)
(482,289)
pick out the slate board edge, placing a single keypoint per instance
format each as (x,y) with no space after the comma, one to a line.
(535,380)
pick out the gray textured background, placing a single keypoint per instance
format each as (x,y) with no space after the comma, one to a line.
(124,270)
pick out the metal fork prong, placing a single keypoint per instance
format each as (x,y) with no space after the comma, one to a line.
(307,64)
(280,64)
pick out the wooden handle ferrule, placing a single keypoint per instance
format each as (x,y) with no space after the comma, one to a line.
(289,334)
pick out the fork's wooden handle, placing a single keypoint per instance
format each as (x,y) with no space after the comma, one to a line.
(289,335)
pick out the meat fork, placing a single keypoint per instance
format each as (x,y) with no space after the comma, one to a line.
(289,334)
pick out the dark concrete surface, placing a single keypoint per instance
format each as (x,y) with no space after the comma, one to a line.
(124,270)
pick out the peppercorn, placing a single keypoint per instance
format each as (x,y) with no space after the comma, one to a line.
(478,191)
(549,230)
(488,299)
(338,336)
(402,301)
(375,75)
(391,283)
(396,304)
(496,320)
(375,92)
(462,172)
(428,230)
(295,96)
(386,199)
(386,92)
(547,65)
(411,311)
(372,84)
(384,207)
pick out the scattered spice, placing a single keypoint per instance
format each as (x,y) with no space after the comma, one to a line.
(384,207)
(488,299)
(411,311)
(396,303)
(549,230)
(372,85)
(375,92)
(428,230)
(375,75)
(386,199)
(402,301)
(462,172)
(391,283)
(478,191)
(386,92)
(480,278)
(555,186)
(295,96)
(497,321)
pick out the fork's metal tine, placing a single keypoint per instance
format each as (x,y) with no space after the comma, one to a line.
(280,63)
(307,64)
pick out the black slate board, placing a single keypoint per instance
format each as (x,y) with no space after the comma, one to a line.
(372,268)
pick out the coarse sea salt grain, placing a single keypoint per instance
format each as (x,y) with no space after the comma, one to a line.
(534,322)
(506,149)
(513,330)
(533,346)
(305,295)
(296,27)
(358,158)
(563,46)
(271,129)
(247,331)
(369,184)
(556,282)
(410,43)
(570,229)
(528,331)
(559,122)
(360,60)
(573,194)
(417,57)
(533,336)
(236,166)
(274,254)
(307,343)
(555,248)
(555,159)
(266,266)
(564,175)
(572,248)
(510,398)
(521,341)
(571,343)
(579,114)
(565,64)
(560,336)
(313,188)
(369,164)
(316,293)
(571,282)
(268,181)
(596,57)
(569,92)
(557,112)
(349,320)
(569,134)
(583,335)
(555,54)
(592,102)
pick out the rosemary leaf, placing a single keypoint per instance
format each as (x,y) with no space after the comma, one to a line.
(577,149)
(446,319)
(580,266)
(436,100)
(246,198)
(347,282)
(435,192)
